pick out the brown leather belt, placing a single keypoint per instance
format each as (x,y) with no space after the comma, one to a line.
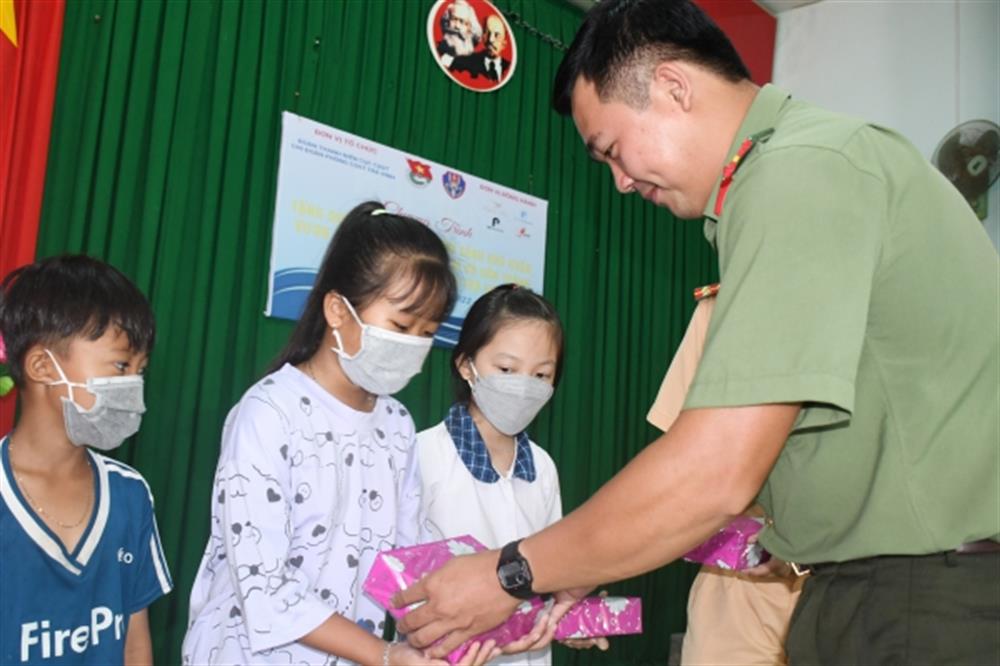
(971,548)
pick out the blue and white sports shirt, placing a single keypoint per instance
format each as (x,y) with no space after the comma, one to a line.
(62,607)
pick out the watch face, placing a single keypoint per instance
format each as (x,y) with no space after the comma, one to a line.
(512,575)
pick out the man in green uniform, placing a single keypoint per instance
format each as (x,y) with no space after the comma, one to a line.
(849,378)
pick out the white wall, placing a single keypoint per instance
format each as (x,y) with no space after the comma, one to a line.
(918,66)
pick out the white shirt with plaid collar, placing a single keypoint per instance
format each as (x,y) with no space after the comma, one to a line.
(455,502)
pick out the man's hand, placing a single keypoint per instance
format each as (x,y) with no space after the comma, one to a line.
(772,568)
(462,599)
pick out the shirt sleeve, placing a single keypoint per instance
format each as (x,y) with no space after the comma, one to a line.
(798,252)
(555,502)
(276,598)
(670,399)
(550,482)
(152,577)
(409,493)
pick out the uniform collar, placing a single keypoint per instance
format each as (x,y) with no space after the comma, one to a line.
(474,454)
(757,125)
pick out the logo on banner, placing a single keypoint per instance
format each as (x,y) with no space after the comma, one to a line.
(420,173)
(472,43)
(453,183)
(494,225)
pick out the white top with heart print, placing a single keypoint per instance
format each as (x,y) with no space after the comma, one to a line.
(307,491)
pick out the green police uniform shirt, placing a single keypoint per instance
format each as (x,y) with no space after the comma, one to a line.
(857,281)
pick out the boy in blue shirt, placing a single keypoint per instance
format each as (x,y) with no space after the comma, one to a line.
(80,556)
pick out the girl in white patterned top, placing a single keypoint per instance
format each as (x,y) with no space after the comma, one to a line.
(312,476)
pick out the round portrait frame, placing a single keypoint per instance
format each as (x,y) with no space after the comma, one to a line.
(483,9)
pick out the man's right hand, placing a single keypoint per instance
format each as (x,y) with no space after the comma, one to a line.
(461,599)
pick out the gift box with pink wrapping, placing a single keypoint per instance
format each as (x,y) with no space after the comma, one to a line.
(601,616)
(733,547)
(395,570)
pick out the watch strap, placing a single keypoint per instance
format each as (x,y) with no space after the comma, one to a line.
(514,572)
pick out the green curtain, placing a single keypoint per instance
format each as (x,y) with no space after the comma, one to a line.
(163,162)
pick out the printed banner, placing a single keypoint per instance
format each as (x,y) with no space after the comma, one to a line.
(493,233)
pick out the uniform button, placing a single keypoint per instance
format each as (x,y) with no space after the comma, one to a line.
(769,521)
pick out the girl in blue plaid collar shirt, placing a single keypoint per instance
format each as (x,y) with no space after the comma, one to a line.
(479,472)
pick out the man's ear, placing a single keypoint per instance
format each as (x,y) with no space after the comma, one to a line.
(672,83)
(38,366)
(334,310)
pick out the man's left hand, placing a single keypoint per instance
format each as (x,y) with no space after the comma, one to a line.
(772,568)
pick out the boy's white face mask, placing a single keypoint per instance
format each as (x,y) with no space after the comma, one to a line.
(509,402)
(386,360)
(115,416)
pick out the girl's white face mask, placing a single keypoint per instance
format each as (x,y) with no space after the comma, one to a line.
(510,402)
(386,360)
(115,416)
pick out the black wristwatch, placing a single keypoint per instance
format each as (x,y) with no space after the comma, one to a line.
(514,573)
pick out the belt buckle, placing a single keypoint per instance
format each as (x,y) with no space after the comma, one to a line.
(800,569)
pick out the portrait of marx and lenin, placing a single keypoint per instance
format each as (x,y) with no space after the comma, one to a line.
(472,43)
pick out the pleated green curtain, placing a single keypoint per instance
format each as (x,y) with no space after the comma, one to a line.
(163,162)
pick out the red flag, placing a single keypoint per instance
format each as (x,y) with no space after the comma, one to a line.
(30,37)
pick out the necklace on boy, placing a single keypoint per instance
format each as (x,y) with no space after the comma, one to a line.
(39,509)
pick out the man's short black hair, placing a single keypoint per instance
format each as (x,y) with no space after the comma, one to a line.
(617,35)
(55,299)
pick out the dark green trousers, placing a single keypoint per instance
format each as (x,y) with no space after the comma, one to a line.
(933,609)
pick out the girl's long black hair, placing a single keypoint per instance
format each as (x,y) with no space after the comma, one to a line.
(375,253)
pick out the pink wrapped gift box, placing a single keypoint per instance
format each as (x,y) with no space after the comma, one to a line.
(397,569)
(601,616)
(731,547)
